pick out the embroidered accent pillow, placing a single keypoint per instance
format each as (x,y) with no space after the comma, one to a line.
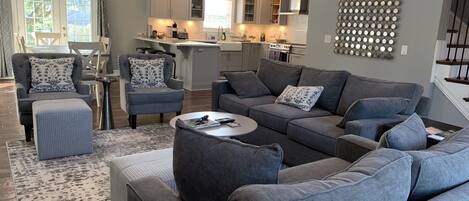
(303,98)
(51,75)
(147,73)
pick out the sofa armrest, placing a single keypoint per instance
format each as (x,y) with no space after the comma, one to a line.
(220,87)
(352,147)
(124,88)
(150,189)
(21,91)
(83,88)
(459,193)
(371,128)
(175,84)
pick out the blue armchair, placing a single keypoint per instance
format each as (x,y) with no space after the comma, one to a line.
(149,100)
(22,72)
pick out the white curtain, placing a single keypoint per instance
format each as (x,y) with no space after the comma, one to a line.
(6,39)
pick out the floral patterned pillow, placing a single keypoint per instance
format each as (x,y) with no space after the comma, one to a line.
(303,98)
(147,73)
(51,75)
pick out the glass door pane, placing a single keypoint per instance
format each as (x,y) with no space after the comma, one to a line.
(38,18)
(79,20)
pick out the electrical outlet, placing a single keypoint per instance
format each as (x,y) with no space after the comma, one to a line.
(404,50)
(327,38)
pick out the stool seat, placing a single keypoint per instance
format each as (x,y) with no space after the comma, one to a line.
(62,128)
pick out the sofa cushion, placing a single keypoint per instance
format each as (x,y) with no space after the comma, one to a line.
(141,96)
(25,104)
(332,81)
(303,98)
(406,136)
(277,116)
(383,174)
(234,104)
(440,167)
(247,84)
(211,168)
(51,75)
(358,87)
(315,170)
(147,73)
(371,108)
(278,75)
(319,133)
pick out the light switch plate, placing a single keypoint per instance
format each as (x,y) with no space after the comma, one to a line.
(404,50)
(327,38)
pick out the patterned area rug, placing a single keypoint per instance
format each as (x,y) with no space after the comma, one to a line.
(84,177)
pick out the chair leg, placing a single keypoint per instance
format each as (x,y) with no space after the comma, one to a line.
(178,113)
(98,95)
(161,117)
(28,133)
(133,121)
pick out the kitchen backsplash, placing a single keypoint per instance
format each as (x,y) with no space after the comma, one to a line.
(294,32)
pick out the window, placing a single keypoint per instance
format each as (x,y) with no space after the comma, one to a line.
(74,19)
(79,20)
(37,18)
(218,13)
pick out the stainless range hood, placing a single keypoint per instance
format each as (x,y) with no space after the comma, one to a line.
(294,7)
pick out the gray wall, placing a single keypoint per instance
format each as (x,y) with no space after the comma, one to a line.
(418,29)
(421,25)
(126,19)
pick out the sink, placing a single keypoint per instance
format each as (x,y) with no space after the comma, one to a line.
(230,46)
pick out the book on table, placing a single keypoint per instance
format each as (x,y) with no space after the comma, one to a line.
(197,124)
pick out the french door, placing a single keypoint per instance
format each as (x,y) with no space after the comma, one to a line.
(75,20)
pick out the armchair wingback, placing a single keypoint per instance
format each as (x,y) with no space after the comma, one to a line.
(136,101)
(22,72)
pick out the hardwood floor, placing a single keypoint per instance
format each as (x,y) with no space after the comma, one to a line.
(11,130)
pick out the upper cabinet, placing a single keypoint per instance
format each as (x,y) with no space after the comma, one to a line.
(277,6)
(259,12)
(178,9)
(246,11)
(160,8)
(197,10)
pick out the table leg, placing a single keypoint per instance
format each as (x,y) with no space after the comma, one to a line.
(106,121)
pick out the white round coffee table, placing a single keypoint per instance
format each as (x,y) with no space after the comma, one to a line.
(247,124)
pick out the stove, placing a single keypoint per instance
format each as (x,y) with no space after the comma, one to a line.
(279,51)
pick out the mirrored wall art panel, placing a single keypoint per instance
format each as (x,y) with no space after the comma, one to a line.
(367,28)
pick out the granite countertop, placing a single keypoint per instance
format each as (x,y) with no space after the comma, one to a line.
(178,42)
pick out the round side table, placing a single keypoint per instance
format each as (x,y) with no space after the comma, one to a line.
(248,125)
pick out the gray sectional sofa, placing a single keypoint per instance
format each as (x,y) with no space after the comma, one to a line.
(359,172)
(311,136)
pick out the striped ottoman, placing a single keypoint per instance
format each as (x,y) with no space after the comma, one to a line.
(62,128)
(132,167)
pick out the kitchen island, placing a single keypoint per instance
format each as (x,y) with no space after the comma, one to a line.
(197,62)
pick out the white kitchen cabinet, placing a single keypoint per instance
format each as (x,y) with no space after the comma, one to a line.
(264,51)
(160,8)
(197,10)
(231,61)
(259,12)
(297,59)
(251,56)
(180,9)
(177,9)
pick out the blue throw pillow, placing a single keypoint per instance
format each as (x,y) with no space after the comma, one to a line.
(370,108)
(210,168)
(247,84)
(406,136)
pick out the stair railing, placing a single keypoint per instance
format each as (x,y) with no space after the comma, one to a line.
(452,30)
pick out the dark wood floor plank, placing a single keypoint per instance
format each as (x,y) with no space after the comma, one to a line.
(11,130)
